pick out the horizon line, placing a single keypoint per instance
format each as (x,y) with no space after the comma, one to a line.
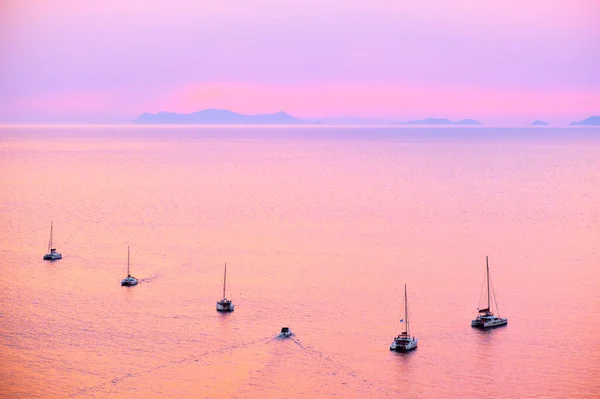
(287,125)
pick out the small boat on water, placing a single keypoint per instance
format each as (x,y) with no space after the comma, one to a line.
(52,254)
(225,305)
(486,318)
(404,342)
(129,280)
(285,332)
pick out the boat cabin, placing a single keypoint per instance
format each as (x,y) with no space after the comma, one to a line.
(285,332)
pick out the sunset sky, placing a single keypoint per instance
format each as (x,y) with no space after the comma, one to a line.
(108,61)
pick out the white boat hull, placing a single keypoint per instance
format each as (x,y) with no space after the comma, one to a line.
(53,256)
(489,323)
(129,282)
(225,307)
(403,345)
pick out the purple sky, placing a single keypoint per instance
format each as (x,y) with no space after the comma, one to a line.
(496,61)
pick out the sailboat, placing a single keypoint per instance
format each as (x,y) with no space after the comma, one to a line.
(52,254)
(486,318)
(129,280)
(225,305)
(404,342)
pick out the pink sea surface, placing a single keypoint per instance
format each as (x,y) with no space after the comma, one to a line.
(320,228)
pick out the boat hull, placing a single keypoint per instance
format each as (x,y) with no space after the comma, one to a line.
(488,325)
(403,349)
(52,256)
(128,282)
(225,307)
(404,346)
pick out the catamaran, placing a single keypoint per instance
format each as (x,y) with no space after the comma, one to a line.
(486,318)
(225,305)
(404,342)
(129,280)
(52,254)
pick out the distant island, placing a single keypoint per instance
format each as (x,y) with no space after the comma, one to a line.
(539,123)
(226,117)
(591,121)
(441,121)
(216,116)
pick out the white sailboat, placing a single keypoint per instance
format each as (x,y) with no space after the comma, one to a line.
(225,305)
(52,254)
(404,342)
(129,280)
(486,318)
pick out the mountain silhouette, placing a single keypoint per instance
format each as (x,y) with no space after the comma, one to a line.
(215,116)
(591,121)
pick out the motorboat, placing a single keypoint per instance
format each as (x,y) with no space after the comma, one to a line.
(285,332)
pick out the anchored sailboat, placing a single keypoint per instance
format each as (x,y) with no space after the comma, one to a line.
(225,305)
(404,342)
(486,318)
(129,280)
(52,254)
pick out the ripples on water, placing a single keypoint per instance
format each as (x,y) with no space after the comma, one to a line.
(321,228)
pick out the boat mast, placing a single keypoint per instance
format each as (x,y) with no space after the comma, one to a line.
(406,312)
(487,267)
(50,242)
(128,274)
(224,279)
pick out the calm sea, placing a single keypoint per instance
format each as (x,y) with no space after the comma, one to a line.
(320,228)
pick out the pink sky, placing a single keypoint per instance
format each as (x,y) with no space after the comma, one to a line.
(496,61)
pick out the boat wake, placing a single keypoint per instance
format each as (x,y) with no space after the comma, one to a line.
(188,359)
(329,365)
(297,342)
(337,368)
(151,278)
(281,337)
